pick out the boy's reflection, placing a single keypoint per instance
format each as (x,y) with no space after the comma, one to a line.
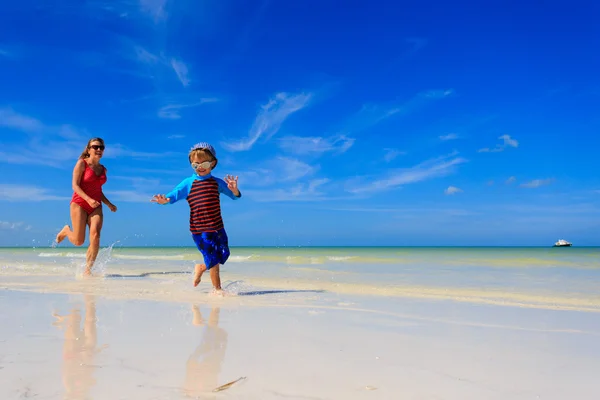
(204,364)
(79,350)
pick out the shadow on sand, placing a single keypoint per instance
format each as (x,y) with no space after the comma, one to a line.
(145,274)
(263,292)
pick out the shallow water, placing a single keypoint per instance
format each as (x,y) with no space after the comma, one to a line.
(557,278)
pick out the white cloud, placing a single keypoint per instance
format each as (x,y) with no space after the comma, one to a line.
(537,183)
(270,118)
(66,143)
(175,136)
(507,140)
(14,225)
(510,180)
(181,70)
(278,171)
(158,61)
(372,114)
(290,169)
(172,111)
(26,193)
(391,154)
(450,136)
(452,190)
(301,192)
(146,57)
(434,168)
(11,119)
(154,8)
(316,145)
(4,53)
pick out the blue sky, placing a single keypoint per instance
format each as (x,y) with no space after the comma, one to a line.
(375,123)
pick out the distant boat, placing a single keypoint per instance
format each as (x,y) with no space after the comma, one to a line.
(562,243)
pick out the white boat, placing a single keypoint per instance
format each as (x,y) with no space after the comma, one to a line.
(562,243)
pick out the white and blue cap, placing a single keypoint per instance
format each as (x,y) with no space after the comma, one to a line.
(205,146)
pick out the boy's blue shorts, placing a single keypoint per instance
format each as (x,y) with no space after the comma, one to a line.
(214,247)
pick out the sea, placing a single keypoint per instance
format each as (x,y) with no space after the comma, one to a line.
(531,277)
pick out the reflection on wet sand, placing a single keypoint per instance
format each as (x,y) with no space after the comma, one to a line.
(204,364)
(79,350)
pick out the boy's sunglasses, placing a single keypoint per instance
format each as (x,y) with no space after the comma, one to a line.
(97,147)
(204,165)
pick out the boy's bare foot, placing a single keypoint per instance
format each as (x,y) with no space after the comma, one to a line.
(198,271)
(218,292)
(87,272)
(62,234)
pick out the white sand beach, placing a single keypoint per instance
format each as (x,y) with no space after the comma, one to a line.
(156,337)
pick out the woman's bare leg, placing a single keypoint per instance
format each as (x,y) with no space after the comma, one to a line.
(79,221)
(95,221)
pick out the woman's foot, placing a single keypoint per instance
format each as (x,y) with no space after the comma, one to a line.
(198,271)
(62,234)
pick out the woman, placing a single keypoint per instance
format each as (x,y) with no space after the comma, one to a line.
(86,208)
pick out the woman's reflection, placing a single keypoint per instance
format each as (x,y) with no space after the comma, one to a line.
(204,364)
(79,349)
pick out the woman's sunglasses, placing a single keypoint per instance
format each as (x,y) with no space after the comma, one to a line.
(204,165)
(97,147)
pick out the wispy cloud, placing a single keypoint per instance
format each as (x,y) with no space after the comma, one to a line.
(26,193)
(14,225)
(278,171)
(434,168)
(172,111)
(4,53)
(181,70)
(373,114)
(450,136)
(11,119)
(66,143)
(302,192)
(507,141)
(290,169)
(154,8)
(537,183)
(452,190)
(270,118)
(391,154)
(511,180)
(175,136)
(316,145)
(157,62)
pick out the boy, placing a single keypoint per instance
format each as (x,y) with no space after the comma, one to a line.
(202,190)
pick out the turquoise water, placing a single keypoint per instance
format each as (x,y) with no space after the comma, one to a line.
(553,277)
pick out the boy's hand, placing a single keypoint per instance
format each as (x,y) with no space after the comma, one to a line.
(112,207)
(160,199)
(232,184)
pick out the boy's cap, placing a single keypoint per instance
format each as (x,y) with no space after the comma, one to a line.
(205,146)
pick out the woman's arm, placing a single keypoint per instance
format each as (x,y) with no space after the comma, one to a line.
(105,200)
(77,173)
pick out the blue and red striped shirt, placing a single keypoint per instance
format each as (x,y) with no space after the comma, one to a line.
(203,196)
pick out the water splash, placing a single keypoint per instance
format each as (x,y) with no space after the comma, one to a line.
(100,265)
(236,287)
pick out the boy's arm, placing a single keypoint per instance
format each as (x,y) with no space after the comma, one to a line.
(180,191)
(226,191)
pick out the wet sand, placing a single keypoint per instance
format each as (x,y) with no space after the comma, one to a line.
(291,346)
